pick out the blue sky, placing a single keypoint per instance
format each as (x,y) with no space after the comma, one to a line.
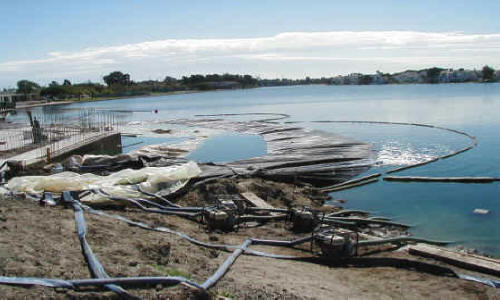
(50,40)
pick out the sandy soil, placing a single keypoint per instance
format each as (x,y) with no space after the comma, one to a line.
(42,242)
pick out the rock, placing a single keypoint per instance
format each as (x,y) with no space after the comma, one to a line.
(133,263)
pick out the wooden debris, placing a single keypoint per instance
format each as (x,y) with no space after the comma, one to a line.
(256,200)
(463,260)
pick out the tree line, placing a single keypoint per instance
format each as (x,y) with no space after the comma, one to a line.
(119,84)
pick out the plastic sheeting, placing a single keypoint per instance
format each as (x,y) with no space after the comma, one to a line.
(119,184)
(3,193)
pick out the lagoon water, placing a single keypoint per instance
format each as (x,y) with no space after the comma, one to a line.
(438,210)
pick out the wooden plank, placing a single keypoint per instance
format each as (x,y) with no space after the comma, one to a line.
(463,260)
(255,200)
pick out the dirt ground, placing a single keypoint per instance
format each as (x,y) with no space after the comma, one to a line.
(37,241)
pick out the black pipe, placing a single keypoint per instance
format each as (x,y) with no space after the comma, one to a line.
(282,243)
(247,218)
(212,280)
(365,221)
(142,207)
(95,266)
(156,197)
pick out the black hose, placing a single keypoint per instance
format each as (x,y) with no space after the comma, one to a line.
(75,283)
(156,197)
(95,266)
(182,235)
(212,280)
(142,207)
(247,218)
(281,210)
(282,243)
(365,221)
(169,208)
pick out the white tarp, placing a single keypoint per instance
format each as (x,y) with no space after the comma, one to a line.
(119,184)
(3,193)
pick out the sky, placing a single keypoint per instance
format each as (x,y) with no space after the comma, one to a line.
(84,40)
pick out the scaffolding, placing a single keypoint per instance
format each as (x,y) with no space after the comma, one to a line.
(51,133)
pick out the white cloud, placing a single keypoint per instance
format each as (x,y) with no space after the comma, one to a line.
(313,53)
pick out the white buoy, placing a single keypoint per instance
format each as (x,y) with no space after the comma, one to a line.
(481,211)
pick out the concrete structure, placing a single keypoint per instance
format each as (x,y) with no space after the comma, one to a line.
(96,143)
(7,101)
(12,96)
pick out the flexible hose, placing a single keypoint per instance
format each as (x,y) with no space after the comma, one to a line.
(95,266)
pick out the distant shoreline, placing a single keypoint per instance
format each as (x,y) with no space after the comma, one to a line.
(31,104)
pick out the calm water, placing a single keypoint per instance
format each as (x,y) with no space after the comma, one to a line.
(438,211)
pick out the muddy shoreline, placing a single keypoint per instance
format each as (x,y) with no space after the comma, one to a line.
(38,241)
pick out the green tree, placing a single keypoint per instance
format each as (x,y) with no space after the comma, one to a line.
(66,82)
(169,79)
(488,74)
(54,83)
(117,78)
(54,91)
(26,87)
(433,74)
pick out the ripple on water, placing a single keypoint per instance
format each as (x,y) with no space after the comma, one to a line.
(398,154)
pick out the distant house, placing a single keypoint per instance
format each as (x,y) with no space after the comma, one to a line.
(497,75)
(409,77)
(8,100)
(379,78)
(353,78)
(459,75)
(339,80)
